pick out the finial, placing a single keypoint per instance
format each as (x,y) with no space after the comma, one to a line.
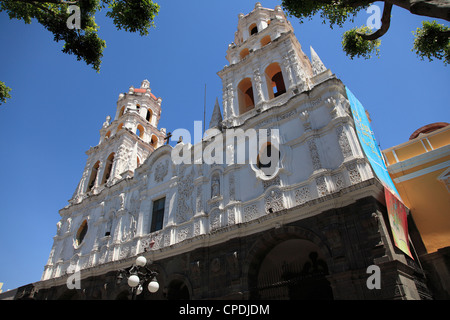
(317,64)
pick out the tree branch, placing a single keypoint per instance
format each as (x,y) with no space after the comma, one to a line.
(46,1)
(385,24)
(439,9)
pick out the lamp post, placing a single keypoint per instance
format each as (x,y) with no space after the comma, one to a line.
(137,275)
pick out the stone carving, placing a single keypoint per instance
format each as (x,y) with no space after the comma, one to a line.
(128,225)
(214,220)
(228,101)
(183,233)
(231,216)
(317,64)
(215,185)
(250,212)
(287,66)
(321,186)
(305,119)
(338,181)
(161,170)
(287,114)
(199,199)
(257,78)
(184,204)
(107,122)
(197,228)
(331,103)
(272,182)
(314,154)
(353,172)
(274,201)
(316,102)
(155,241)
(167,239)
(343,142)
(299,73)
(302,195)
(232,187)
(145,84)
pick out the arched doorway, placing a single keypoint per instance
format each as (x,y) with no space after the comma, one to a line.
(292,269)
(177,290)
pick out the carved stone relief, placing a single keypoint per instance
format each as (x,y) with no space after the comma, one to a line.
(161,170)
(353,172)
(343,142)
(185,186)
(215,185)
(250,212)
(274,201)
(302,195)
(321,186)
(314,154)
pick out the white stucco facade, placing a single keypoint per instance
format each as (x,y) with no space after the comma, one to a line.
(109,217)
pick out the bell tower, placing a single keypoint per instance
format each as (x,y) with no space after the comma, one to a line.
(125,143)
(266,65)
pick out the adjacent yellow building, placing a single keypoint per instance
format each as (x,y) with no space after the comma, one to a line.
(420,169)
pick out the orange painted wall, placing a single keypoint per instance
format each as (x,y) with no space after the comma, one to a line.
(423,193)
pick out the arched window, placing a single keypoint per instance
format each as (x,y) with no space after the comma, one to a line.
(245,96)
(108,134)
(93,176)
(244,52)
(253,29)
(268,159)
(108,168)
(120,127)
(148,116)
(265,41)
(140,131)
(275,81)
(81,233)
(154,141)
(122,111)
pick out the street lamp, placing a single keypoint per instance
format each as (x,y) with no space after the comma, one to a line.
(137,275)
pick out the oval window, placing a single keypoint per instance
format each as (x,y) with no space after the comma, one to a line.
(81,233)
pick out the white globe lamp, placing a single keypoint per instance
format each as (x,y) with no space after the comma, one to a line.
(153,286)
(141,261)
(133,281)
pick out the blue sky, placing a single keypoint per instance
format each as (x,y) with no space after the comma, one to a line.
(59,104)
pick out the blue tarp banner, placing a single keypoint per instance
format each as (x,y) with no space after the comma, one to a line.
(368,142)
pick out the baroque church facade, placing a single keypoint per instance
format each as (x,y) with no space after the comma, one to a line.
(310,228)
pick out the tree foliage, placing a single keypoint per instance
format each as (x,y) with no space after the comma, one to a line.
(432,40)
(354,44)
(135,16)
(4,92)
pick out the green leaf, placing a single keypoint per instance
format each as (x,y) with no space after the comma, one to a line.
(4,92)
(432,41)
(354,45)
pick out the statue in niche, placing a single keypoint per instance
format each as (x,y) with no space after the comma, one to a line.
(215,186)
